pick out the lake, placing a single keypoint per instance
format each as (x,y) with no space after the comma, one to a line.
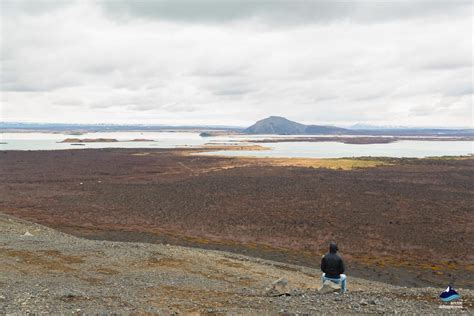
(404,148)
(408,148)
(51,141)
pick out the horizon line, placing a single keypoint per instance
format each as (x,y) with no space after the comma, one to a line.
(164,125)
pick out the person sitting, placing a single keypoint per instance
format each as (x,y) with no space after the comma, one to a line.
(333,267)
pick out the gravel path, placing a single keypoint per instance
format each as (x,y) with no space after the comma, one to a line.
(45,271)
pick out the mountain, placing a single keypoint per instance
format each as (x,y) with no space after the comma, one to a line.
(276,125)
(282,126)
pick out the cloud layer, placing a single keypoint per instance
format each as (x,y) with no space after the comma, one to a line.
(233,62)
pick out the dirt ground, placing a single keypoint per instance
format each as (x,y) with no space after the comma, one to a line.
(402,221)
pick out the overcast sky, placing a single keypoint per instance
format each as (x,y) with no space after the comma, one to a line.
(233,62)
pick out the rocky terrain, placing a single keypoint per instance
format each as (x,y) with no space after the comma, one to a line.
(400,221)
(43,271)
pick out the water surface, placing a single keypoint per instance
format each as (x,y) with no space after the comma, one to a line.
(404,148)
(52,141)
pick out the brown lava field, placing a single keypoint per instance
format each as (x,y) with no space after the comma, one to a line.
(407,222)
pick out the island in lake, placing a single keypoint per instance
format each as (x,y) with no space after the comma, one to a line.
(102,140)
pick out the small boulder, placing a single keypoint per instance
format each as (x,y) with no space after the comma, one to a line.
(28,234)
(329,287)
(279,288)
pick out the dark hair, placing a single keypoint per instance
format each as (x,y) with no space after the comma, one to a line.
(333,247)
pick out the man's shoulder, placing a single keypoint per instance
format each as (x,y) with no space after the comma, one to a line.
(332,255)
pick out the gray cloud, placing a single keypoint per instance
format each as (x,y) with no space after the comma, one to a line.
(234,91)
(281,12)
(446,65)
(466,89)
(32,7)
(204,62)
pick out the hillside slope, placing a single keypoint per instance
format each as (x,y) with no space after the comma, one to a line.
(44,271)
(282,126)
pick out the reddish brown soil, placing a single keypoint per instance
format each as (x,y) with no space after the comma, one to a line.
(408,223)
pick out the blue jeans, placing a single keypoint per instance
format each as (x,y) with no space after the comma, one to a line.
(341,280)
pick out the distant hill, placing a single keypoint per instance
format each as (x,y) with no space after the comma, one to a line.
(271,125)
(282,126)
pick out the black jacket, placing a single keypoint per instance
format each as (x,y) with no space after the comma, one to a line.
(332,265)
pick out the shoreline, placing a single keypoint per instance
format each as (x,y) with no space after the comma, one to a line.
(361,139)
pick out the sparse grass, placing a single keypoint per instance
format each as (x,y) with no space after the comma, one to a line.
(47,260)
(165,262)
(392,261)
(467,157)
(91,280)
(342,164)
(69,259)
(229,263)
(73,298)
(201,298)
(106,271)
